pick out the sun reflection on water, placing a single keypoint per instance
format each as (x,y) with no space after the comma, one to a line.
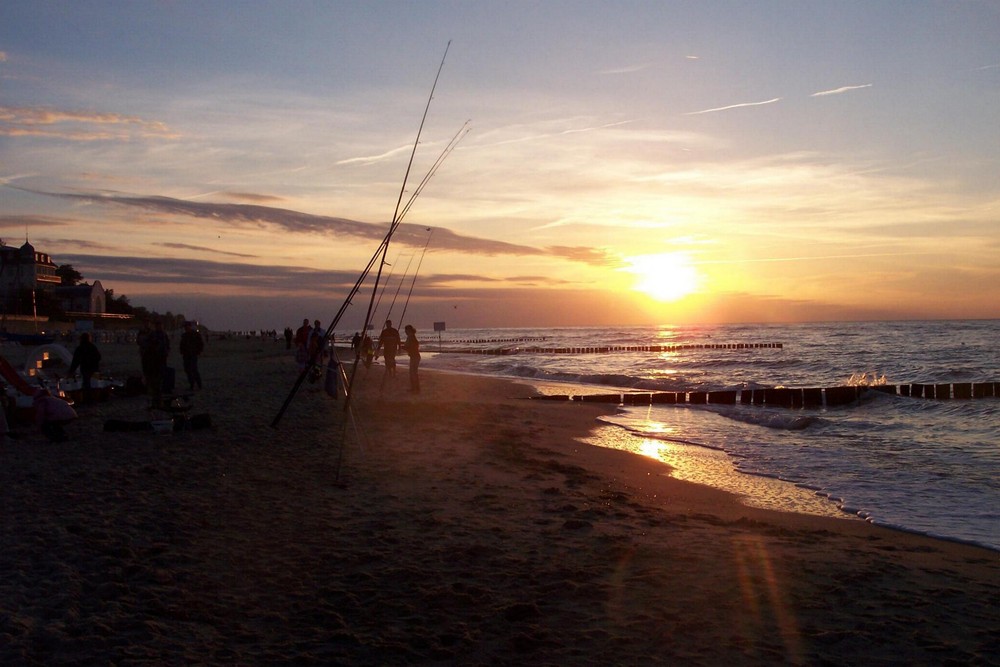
(714,468)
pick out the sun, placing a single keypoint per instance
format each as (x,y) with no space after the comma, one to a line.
(664,277)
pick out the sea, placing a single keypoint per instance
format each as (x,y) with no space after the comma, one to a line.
(923,465)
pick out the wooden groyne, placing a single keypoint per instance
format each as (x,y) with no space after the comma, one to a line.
(810,397)
(523,339)
(609,349)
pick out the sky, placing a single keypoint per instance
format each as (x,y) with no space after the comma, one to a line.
(580,163)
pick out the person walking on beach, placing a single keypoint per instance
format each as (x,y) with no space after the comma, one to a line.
(155,348)
(412,347)
(87,358)
(389,340)
(191,347)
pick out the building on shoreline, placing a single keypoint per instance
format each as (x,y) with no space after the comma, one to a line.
(25,274)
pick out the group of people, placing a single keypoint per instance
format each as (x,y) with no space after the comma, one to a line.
(311,344)
(389,342)
(52,413)
(154,349)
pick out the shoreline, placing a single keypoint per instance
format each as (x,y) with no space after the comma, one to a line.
(467,526)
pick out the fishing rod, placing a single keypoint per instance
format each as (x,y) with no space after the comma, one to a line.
(381,250)
(395,221)
(389,278)
(464,130)
(415,274)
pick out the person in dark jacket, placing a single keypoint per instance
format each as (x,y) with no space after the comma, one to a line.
(87,358)
(191,346)
(154,347)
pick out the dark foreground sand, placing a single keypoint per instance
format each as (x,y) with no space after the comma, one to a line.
(468,526)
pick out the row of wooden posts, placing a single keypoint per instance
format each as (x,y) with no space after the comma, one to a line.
(606,349)
(792,398)
(525,339)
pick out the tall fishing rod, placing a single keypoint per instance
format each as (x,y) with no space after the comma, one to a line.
(395,221)
(399,287)
(415,274)
(381,250)
(389,278)
(464,130)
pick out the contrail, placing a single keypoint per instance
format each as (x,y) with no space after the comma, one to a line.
(733,106)
(842,89)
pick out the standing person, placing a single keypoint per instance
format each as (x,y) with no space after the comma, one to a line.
(87,358)
(191,347)
(389,340)
(302,343)
(317,351)
(317,343)
(412,347)
(155,349)
(356,343)
(288,338)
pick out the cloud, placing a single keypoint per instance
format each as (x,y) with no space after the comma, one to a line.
(21,222)
(249,196)
(842,89)
(202,274)
(78,125)
(628,69)
(585,255)
(196,248)
(371,159)
(241,215)
(734,106)
(241,278)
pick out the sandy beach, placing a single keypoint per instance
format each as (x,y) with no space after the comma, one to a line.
(465,525)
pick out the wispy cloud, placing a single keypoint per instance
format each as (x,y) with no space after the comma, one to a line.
(734,106)
(23,221)
(535,136)
(250,196)
(197,248)
(838,91)
(371,159)
(78,125)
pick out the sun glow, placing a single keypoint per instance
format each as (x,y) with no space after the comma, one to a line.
(664,277)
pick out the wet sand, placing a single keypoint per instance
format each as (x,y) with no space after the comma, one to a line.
(464,525)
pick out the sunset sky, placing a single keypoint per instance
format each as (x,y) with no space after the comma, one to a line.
(624,162)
